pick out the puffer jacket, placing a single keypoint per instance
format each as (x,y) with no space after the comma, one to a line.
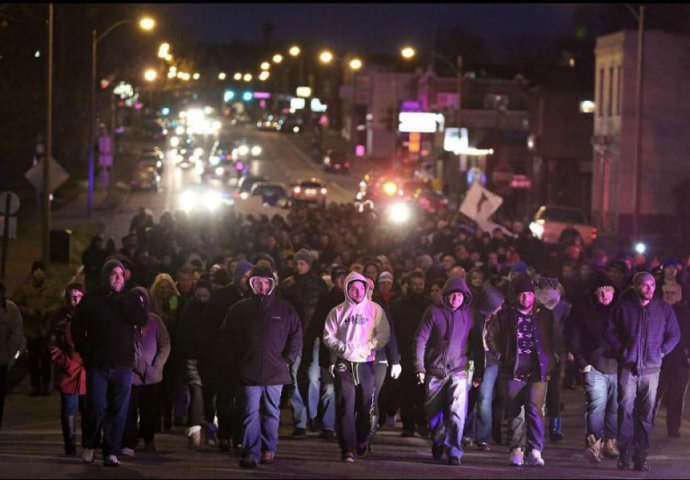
(441,341)
(641,335)
(262,337)
(501,339)
(11,332)
(69,374)
(354,331)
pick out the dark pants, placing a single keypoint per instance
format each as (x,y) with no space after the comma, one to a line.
(172,391)
(107,404)
(39,365)
(196,398)
(3,389)
(209,387)
(636,399)
(553,393)
(230,411)
(673,384)
(355,385)
(143,404)
(411,400)
(527,430)
(70,403)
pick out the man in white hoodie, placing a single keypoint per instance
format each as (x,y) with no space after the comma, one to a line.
(354,330)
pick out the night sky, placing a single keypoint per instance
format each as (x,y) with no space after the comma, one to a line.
(376,28)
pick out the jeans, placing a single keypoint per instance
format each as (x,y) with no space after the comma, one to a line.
(673,384)
(142,406)
(39,364)
(354,393)
(305,383)
(107,403)
(260,430)
(636,398)
(531,396)
(445,405)
(483,412)
(327,401)
(70,404)
(601,404)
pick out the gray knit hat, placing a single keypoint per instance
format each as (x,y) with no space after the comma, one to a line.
(304,255)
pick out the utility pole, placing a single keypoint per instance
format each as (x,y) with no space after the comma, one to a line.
(45,217)
(637,186)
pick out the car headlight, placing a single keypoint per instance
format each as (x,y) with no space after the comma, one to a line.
(244,195)
(189,201)
(324,191)
(179,130)
(198,152)
(295,129)
(399,213)
(219,171)
(256,150)
(159,164)
(213,200)
(174,141)
(243,150)
(214,160)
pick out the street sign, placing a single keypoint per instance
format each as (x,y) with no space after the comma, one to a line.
(13,203)
(58,175)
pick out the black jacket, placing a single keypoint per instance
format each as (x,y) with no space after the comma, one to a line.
(327,301)
(102,327)
(407,312)
(641,335)
(263,337)
(303,291)
(681,353)
(501,339)
(441,346)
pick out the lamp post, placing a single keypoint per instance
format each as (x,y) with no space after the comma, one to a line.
(45,217)
(145,24)
(638,122)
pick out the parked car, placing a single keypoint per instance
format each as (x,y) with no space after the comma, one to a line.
(153,155)
(245,184)
(551,220)
(309,190)
(145,177)
(271,193)
(334,161)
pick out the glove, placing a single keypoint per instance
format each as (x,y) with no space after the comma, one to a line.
(395,371)
(420,378)
(587,369)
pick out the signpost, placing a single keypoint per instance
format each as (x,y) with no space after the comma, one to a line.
(9,204)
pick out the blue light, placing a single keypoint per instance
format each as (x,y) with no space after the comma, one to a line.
(229,95)
(246,96)
(165,111)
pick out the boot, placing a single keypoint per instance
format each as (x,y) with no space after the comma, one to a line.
(70,436)
(611,448)
(624,460)
(593,449)
(373,427)
(193,435)
(555,429)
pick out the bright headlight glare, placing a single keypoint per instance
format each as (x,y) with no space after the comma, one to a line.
(212,200)
(174,142)
(179,130)
(256,150)
(244,195)
(399,213)
(537,229)
(243,150)
(214,160)
(219,171)
(189,201)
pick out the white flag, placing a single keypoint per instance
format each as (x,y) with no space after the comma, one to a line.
(480,203)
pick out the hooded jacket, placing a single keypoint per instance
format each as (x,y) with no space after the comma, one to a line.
(585,329)
(102,326)
(354,331)
(151,347)
(641,335)
(441,341)
(263,337)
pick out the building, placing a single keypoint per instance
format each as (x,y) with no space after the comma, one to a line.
(664,170)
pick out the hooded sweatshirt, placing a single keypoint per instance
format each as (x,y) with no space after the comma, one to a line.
(441,346)
(354,331)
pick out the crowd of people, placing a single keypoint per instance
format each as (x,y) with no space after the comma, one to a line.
(201,320)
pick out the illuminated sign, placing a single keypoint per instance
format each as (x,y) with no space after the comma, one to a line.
(419,122)
(317,106)
(262,95)
(304,92)
(297,103)
(455,139)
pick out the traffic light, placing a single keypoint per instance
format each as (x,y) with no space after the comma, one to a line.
(247,96)
(229,95)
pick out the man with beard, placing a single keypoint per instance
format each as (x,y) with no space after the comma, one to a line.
(641,331)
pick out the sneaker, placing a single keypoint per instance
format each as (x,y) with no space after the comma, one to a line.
(534,459)
(248,463)
(111,461)
(437,451)
(593,450)
(517,458)
(193,435)
(267,457)
(327,435)
(150,447)
(611,448)
(453,461)
(299,432)
(88,455)
(348,457)
(466,442)
(483,447)
(127,452)
(642,466)
(362,448)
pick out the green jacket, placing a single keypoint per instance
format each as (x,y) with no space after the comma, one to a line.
(41,302)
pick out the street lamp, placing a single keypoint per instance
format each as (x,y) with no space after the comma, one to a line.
(146,24)
(150,75)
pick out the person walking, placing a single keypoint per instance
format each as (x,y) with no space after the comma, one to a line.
(353,332)
(69,374)
(520,337)
(441,364)
(11,340)
(103,334)
(264,338)
(641,331)
(36,300)
(151,351)
(597,361)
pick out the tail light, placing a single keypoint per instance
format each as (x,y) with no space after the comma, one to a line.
(593,234)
